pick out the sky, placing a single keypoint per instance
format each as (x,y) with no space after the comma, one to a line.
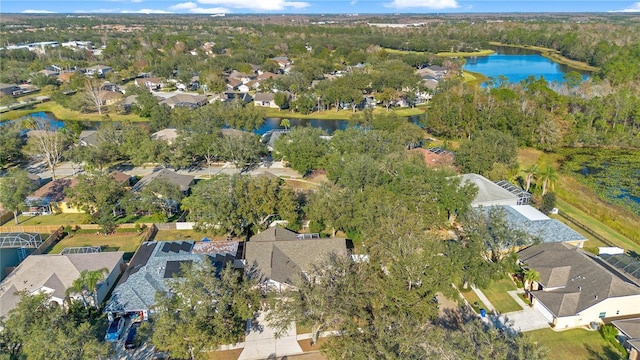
(312,6)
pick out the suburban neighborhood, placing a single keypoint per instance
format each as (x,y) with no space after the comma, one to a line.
(255,187)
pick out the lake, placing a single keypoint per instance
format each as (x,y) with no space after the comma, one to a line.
(519,64)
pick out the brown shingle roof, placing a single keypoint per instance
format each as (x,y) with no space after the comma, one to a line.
(54,190)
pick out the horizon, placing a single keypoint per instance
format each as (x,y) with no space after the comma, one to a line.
(315,7)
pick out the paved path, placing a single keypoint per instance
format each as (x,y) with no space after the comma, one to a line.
(485,300)
(524,320)
(515,296)
(261,342)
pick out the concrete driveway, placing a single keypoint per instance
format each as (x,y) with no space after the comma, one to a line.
(261,342)
(524,320)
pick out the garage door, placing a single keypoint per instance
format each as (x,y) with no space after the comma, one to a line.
(543,310)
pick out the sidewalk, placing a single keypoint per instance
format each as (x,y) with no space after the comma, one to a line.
(485,300)
(518,299)
(261,342)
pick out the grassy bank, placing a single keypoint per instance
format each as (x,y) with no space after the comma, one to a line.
(341,114)
(66,114)
(474,78)
(483,52)
(574,344)
(615,223)
(552,54)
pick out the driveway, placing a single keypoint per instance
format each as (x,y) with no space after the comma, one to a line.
(524,320)
(261,342)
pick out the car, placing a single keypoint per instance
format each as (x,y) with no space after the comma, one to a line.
(114,330)
(131,342)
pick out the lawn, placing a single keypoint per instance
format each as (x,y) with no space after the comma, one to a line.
(473,299)
(332,114)
(497,294)
(575,344)
(473,78)
(225,355)
(465,53)
(66,114)
(123,241)
(56,219)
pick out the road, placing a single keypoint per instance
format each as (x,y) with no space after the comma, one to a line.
(67,169)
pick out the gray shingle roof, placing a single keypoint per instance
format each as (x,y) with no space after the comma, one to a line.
(153,266)
(573,281)
(182,181)
(630,327)
(276,254)
(535,223)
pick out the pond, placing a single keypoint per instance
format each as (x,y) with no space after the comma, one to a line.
(519,64)
(269,123)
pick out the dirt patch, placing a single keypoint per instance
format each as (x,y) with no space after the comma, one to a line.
(225,355)
(306,344)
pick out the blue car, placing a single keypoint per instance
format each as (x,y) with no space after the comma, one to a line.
(130,341)
(115,330)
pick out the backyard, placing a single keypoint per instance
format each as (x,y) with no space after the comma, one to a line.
(56,219)
(169,235)
(119,241)
(575,344)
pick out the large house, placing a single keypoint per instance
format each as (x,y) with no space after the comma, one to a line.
(277,256)
(157,263)
(54,274)
(185,100)
(495,193)
(51,198)
(576,288)
(184,182)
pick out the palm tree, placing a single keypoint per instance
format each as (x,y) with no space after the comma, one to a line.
(530,172)
(531,276)
(87,285)
(285,123)
(549,176)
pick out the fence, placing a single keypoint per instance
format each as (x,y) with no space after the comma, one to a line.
(151,233)
(52,239)
(46,229)
(6,217)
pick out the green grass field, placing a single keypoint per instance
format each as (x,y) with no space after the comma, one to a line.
(168,235)
(66,114)
(55,219)
(575,344)
(472,299)
(127,242)
(497,294)
(341,114)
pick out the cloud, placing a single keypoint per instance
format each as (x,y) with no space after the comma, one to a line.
(353,2)
(195,9)
(635,7)
(145,11)
(259,5)
(32,11)
(429,4)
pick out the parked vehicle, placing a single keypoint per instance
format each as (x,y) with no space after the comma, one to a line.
(115,330)
(131,341)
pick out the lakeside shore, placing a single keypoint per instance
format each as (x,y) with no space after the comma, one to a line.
(551,54)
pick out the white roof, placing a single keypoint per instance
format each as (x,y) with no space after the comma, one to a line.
(488,192)
(530,212)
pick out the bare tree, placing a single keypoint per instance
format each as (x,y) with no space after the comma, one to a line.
(94,93)
(46,143)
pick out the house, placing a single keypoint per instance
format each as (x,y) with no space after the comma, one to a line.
(277,256)
(283,62)
(65,77)
(230,96)
(153,83)
(184,182)
(168,135)
(110,97)
(233,84)
(8,89)
(576,289)
(121,178)
(51,198)
(528,219)
(185,100)
(88,138)
(265,100)
(54,274)
(268,75)
(49,73)
(629,334)
(155,264)
(109,86)
(14,248)
(98,70)
(490,193)
(436,157)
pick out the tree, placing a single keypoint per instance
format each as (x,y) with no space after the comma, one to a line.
(94,93)
(304,148)
(531,172)
(488,147)
(548,202)
(160,196)
(285,123)
(14,188)
(46,143)
(240,204)
(243,150)
(548,176)
(11,142)
(87,284)
(530,276)
(281,99)
(97,194)
(40,329)
(207,308)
